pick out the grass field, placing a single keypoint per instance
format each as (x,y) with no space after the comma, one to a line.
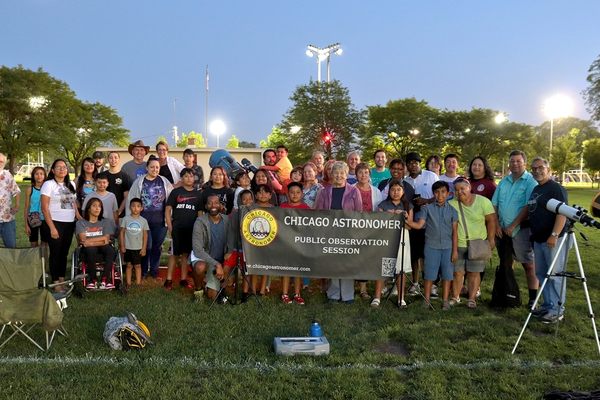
(226,352)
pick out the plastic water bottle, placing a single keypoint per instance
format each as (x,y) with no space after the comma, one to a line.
(315,329)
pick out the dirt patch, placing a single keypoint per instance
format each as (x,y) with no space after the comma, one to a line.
(392,347)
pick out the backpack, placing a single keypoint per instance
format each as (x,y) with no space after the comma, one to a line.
(505,293)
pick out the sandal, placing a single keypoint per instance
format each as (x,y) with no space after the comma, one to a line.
(471,304)
(364,295)
(375,303)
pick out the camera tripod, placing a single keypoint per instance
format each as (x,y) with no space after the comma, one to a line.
(566,242)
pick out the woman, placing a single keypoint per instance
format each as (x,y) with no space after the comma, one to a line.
(434,164)
(339,196)
(94,235)
(34,217)
(170,168)
(59,206)
(311,185)
(85,181)
(481,177)
(218,184)
(263,177)
(327,172)
(370,197)
(318,160)
(477,213)
(154,191)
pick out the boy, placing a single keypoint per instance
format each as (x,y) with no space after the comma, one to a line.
(441,240)
(183,207)
(295,195)
(133,239)
(109,200)
(263,196)
(188,162)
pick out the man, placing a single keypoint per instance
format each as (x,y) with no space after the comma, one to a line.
(380,172)
(547,230)
(318,158)
(209,245)
(189,162)
(136,167)
(269,161)
(10,194)
(512,228)
(280,164)
(353,159)
(397,171)
(451,166)
(421,180)
(118,181)
(98,157)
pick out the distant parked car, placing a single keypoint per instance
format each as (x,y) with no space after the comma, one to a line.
(24,173)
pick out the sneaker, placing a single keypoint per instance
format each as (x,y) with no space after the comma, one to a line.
(414,289)
(375,302)
(550,318)
(298,300)
(402,304)
(434,291)
(91,285)
(168,284)
(387,290)
(109,286)
(540,312)
(198,295)
(530,304)
(285,299)
(222,299)
(185,284)
(103,286)
(478,294)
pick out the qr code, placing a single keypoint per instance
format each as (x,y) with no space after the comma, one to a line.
(388,266)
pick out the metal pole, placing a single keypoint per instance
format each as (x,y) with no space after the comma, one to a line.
(551,135)
(206,105)
(328,69)
(318,68)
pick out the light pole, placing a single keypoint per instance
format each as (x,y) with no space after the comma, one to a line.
(557,106)
(324,54)
(217,127)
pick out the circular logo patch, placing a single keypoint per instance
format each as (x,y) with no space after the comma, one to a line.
(259,227)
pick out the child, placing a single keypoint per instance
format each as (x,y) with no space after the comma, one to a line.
(242,182)
(294,195)
(397,204)
(33,210)
(109,200)
(133,239)
(245,198)
(441,240)
(189,162)
(183,207)
(263,196)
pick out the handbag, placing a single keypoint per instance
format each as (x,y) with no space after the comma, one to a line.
(477,249)
(34,220)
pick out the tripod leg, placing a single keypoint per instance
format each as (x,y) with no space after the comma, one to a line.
(223,285)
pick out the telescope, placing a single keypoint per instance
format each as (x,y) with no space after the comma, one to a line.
(222,158)
(574,213)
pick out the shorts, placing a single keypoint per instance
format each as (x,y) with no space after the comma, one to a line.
(417,244)
(38,233)
(211,280)
(470,265)
(522,248)
(182,240)
(437,260)
(133,257)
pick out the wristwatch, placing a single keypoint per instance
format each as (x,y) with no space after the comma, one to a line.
(555,234)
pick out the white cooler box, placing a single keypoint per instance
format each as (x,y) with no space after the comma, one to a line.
(313,346)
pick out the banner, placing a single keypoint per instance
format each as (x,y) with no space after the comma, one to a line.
(323,244)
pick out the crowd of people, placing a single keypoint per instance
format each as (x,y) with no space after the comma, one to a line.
(447,214)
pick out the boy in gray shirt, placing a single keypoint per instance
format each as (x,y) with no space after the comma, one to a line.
(133,239)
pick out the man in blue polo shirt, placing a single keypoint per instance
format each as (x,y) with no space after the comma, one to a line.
(512,228)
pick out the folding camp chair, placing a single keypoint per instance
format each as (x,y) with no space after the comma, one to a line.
(25,304)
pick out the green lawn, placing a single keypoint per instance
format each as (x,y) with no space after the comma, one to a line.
(227,352)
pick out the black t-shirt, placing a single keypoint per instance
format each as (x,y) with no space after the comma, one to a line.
(118,184)
(166,172)
(540,219)
(185,205)
(225,196)
(337,195)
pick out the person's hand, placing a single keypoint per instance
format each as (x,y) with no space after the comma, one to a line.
(170,229)
(219,271)
(420,201)
(454,256)
(498,232)
(27,229)
(509,230)
(122,248)
(54,233)
(492,243)
(551,242)
(14,210)
(143,252)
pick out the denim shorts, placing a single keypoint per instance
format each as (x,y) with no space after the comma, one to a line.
(437,260)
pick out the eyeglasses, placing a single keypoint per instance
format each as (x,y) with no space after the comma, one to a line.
(60,168)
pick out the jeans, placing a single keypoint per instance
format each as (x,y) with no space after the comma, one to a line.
(554,293)
(59,248)
(156,237)
(8,231)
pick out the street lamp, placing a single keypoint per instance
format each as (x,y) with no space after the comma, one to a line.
(500,118)
(557,106)
(323,54)
(217,127)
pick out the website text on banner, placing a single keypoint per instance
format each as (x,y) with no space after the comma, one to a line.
(322,244)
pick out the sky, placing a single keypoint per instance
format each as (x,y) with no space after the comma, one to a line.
(142,57)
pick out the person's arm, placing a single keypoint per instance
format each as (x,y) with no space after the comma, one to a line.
(498,227)
(419,224)
(144,242)
(454,256)
(490,224)
(122,239)
(559,224)
(523,214)
(45,200)
(123,203)
(17,200)
(169,218)
(198,237)
(273,168)
(26,209)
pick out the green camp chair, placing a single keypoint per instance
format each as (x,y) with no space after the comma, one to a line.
(25,306)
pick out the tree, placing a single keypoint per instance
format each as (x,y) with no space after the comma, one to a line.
(196,138)
(162,138)
(591,156)
(247,145)
(592,93)
(320,109)
(564,155)
(233,143)
(275,138)
(35,111)
(94,125)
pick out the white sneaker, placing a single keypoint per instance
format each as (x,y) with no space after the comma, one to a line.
(434,291)
(478,294)
(386,290)
(414,289)
(402,304)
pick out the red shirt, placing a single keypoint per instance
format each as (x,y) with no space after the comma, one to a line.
(302,206)
(367,200)
(484,187)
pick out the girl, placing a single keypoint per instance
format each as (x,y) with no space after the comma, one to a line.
(395,203)
(85,181)
(219,185)
(33,210)
(263,177)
